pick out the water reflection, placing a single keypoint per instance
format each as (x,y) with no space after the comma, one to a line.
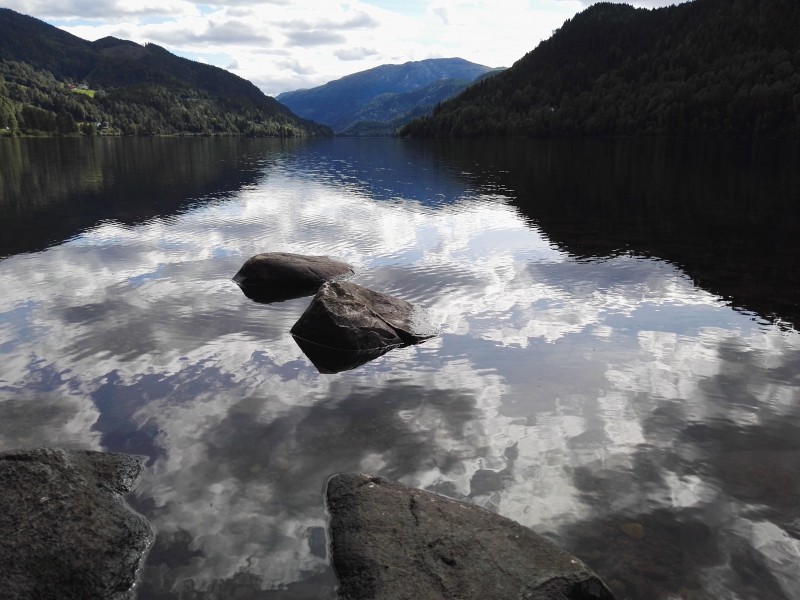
(268,295)
(697,493)
(333,360)
(52,189)
(725,213)
(599,396)
(384,170)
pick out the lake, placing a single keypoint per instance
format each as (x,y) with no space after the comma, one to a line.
(618,365)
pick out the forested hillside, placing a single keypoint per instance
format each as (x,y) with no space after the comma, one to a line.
(386,113)
(709,67)
(55,83)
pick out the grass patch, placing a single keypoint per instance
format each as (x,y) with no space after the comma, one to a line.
(89,93)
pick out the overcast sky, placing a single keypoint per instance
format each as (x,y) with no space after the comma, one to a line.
(283,45)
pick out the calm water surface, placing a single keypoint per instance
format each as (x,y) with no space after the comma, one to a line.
(618,368)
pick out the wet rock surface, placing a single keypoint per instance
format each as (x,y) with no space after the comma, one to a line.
(64,529)
(392,542)
(349,317)
(276,276)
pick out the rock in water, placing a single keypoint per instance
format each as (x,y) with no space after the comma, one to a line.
(276,276)
(64,529)
(392,542)
(347,318)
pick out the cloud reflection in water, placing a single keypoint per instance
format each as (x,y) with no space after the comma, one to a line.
(610,404)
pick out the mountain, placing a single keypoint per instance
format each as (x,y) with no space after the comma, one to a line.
(726,68)
(144,89)
(384,95)
(386,113)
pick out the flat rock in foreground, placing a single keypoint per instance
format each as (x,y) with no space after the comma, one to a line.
(348,318)
(64,529)
(392,542)
(275,276)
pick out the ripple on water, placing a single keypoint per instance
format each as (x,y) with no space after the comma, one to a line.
(425,284)
(610,401)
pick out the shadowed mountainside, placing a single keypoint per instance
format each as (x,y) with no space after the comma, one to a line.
(708,67)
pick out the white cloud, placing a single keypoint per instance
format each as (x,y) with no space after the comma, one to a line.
(441,12)
(357,21)
(354,53)
(103,10)
(216,33)
(314,37)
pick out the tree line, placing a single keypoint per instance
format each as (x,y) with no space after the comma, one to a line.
(707,67)
(33,102)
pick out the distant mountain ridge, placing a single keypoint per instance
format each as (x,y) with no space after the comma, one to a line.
(384,114)
(385,96)
(147,90)
(706,67)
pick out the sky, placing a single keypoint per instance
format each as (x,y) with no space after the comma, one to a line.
(284,45)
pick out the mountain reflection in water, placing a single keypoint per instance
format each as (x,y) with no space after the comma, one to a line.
(618,368)
(726,213)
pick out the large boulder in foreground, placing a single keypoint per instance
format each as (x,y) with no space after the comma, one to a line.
(276,276)
(354,322)
(392,542)
(64,529)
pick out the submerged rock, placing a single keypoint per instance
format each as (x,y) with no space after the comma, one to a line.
(390,541)
(346,322)
(64,529)
(276,276)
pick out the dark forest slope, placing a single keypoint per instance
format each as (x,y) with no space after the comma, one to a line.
(707,67)
(384,115)
(145,89)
